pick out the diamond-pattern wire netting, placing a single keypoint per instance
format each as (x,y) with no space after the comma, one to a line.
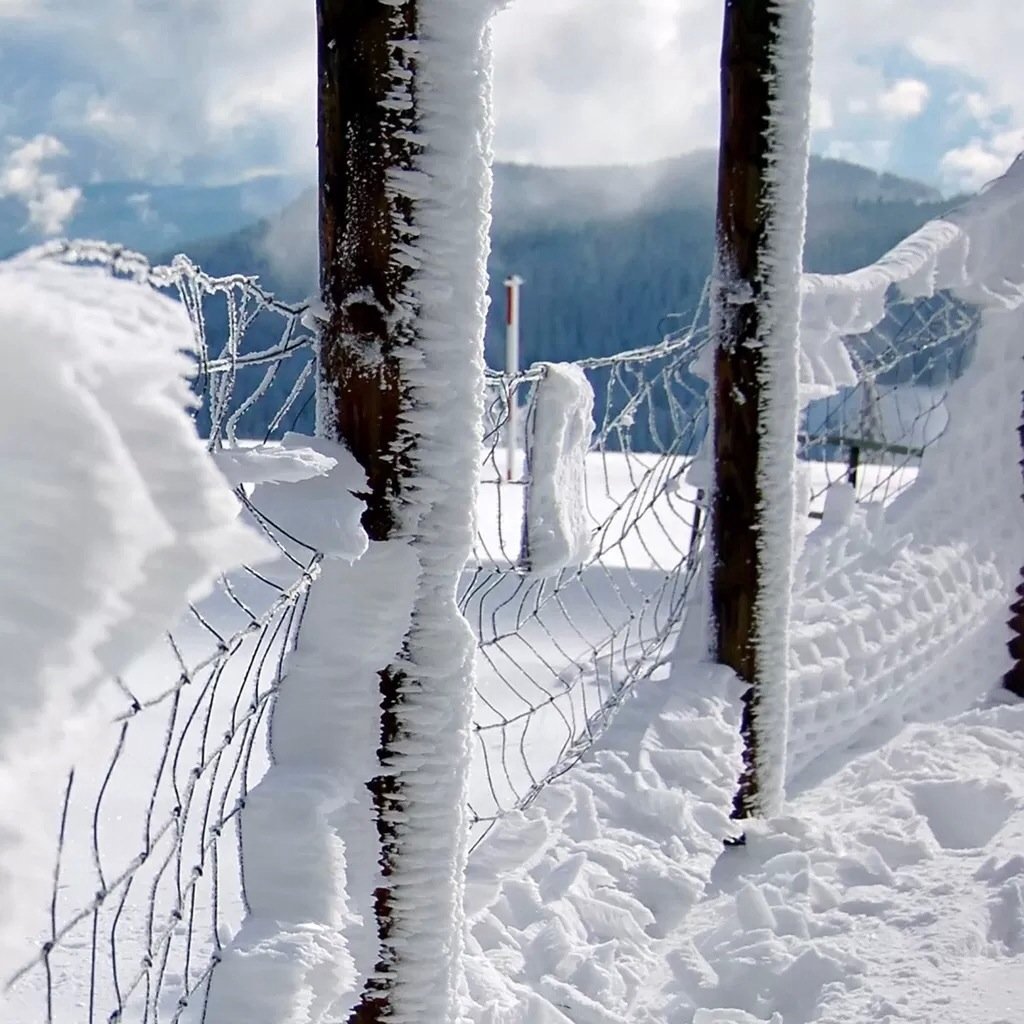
(875,435)
(149,881)
(558,653)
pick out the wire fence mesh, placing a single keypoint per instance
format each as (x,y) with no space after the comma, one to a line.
(149,880)
(557,654)
(874,435)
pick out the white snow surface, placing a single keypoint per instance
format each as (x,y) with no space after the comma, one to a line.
(557,526)
(114,518)
(575,902)
(895,893)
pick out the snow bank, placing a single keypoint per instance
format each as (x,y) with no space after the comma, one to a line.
(556,527)
(577,902)
(900,612)
(114,518)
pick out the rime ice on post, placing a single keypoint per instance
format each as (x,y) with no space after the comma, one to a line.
(761,216)
(405,189)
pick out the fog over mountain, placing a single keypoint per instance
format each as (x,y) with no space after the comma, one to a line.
(607,252)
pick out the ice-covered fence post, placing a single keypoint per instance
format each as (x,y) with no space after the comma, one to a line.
(762,187)
(512,286)
(404,132)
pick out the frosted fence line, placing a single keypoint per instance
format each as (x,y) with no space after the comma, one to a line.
(911,361)
(900,606)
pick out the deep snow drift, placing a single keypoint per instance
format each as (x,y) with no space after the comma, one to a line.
(114,518)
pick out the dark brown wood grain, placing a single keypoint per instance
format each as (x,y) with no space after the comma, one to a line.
(362,286)
(741,228)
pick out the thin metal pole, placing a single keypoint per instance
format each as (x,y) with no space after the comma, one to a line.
(512,286)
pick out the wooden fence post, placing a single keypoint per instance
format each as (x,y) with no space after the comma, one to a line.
(1014,679)
(361,393)
(755,326)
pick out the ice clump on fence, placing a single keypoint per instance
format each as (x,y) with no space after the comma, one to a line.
(556,527)
(115,518)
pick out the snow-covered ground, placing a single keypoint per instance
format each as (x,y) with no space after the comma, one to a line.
(229,703)
(891,891)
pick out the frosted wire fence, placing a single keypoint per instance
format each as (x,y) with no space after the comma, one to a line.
(148,882)
(874,435)
(558,654)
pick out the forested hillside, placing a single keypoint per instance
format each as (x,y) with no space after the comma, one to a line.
(609,255)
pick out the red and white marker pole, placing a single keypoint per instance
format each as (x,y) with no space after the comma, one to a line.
(512,285)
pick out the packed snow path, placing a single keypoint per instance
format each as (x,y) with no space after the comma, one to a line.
(893,891)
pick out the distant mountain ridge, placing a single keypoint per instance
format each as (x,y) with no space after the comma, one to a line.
(562,194)
(608,254)
(534,199)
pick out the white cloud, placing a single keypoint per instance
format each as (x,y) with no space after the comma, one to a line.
(602,81)
(22,176)
(904,99)
(171,89)
(970,166)
(870,152)
(211,88)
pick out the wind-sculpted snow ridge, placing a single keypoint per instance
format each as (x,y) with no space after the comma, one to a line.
(575,903)
(900,608)
(128,875)
(114,519)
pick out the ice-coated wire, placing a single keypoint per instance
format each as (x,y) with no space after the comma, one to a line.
(147,879)
(137,929)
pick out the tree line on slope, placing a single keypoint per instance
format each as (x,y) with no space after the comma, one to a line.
(609,257)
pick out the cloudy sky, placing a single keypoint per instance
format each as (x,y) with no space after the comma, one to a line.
(217,90)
